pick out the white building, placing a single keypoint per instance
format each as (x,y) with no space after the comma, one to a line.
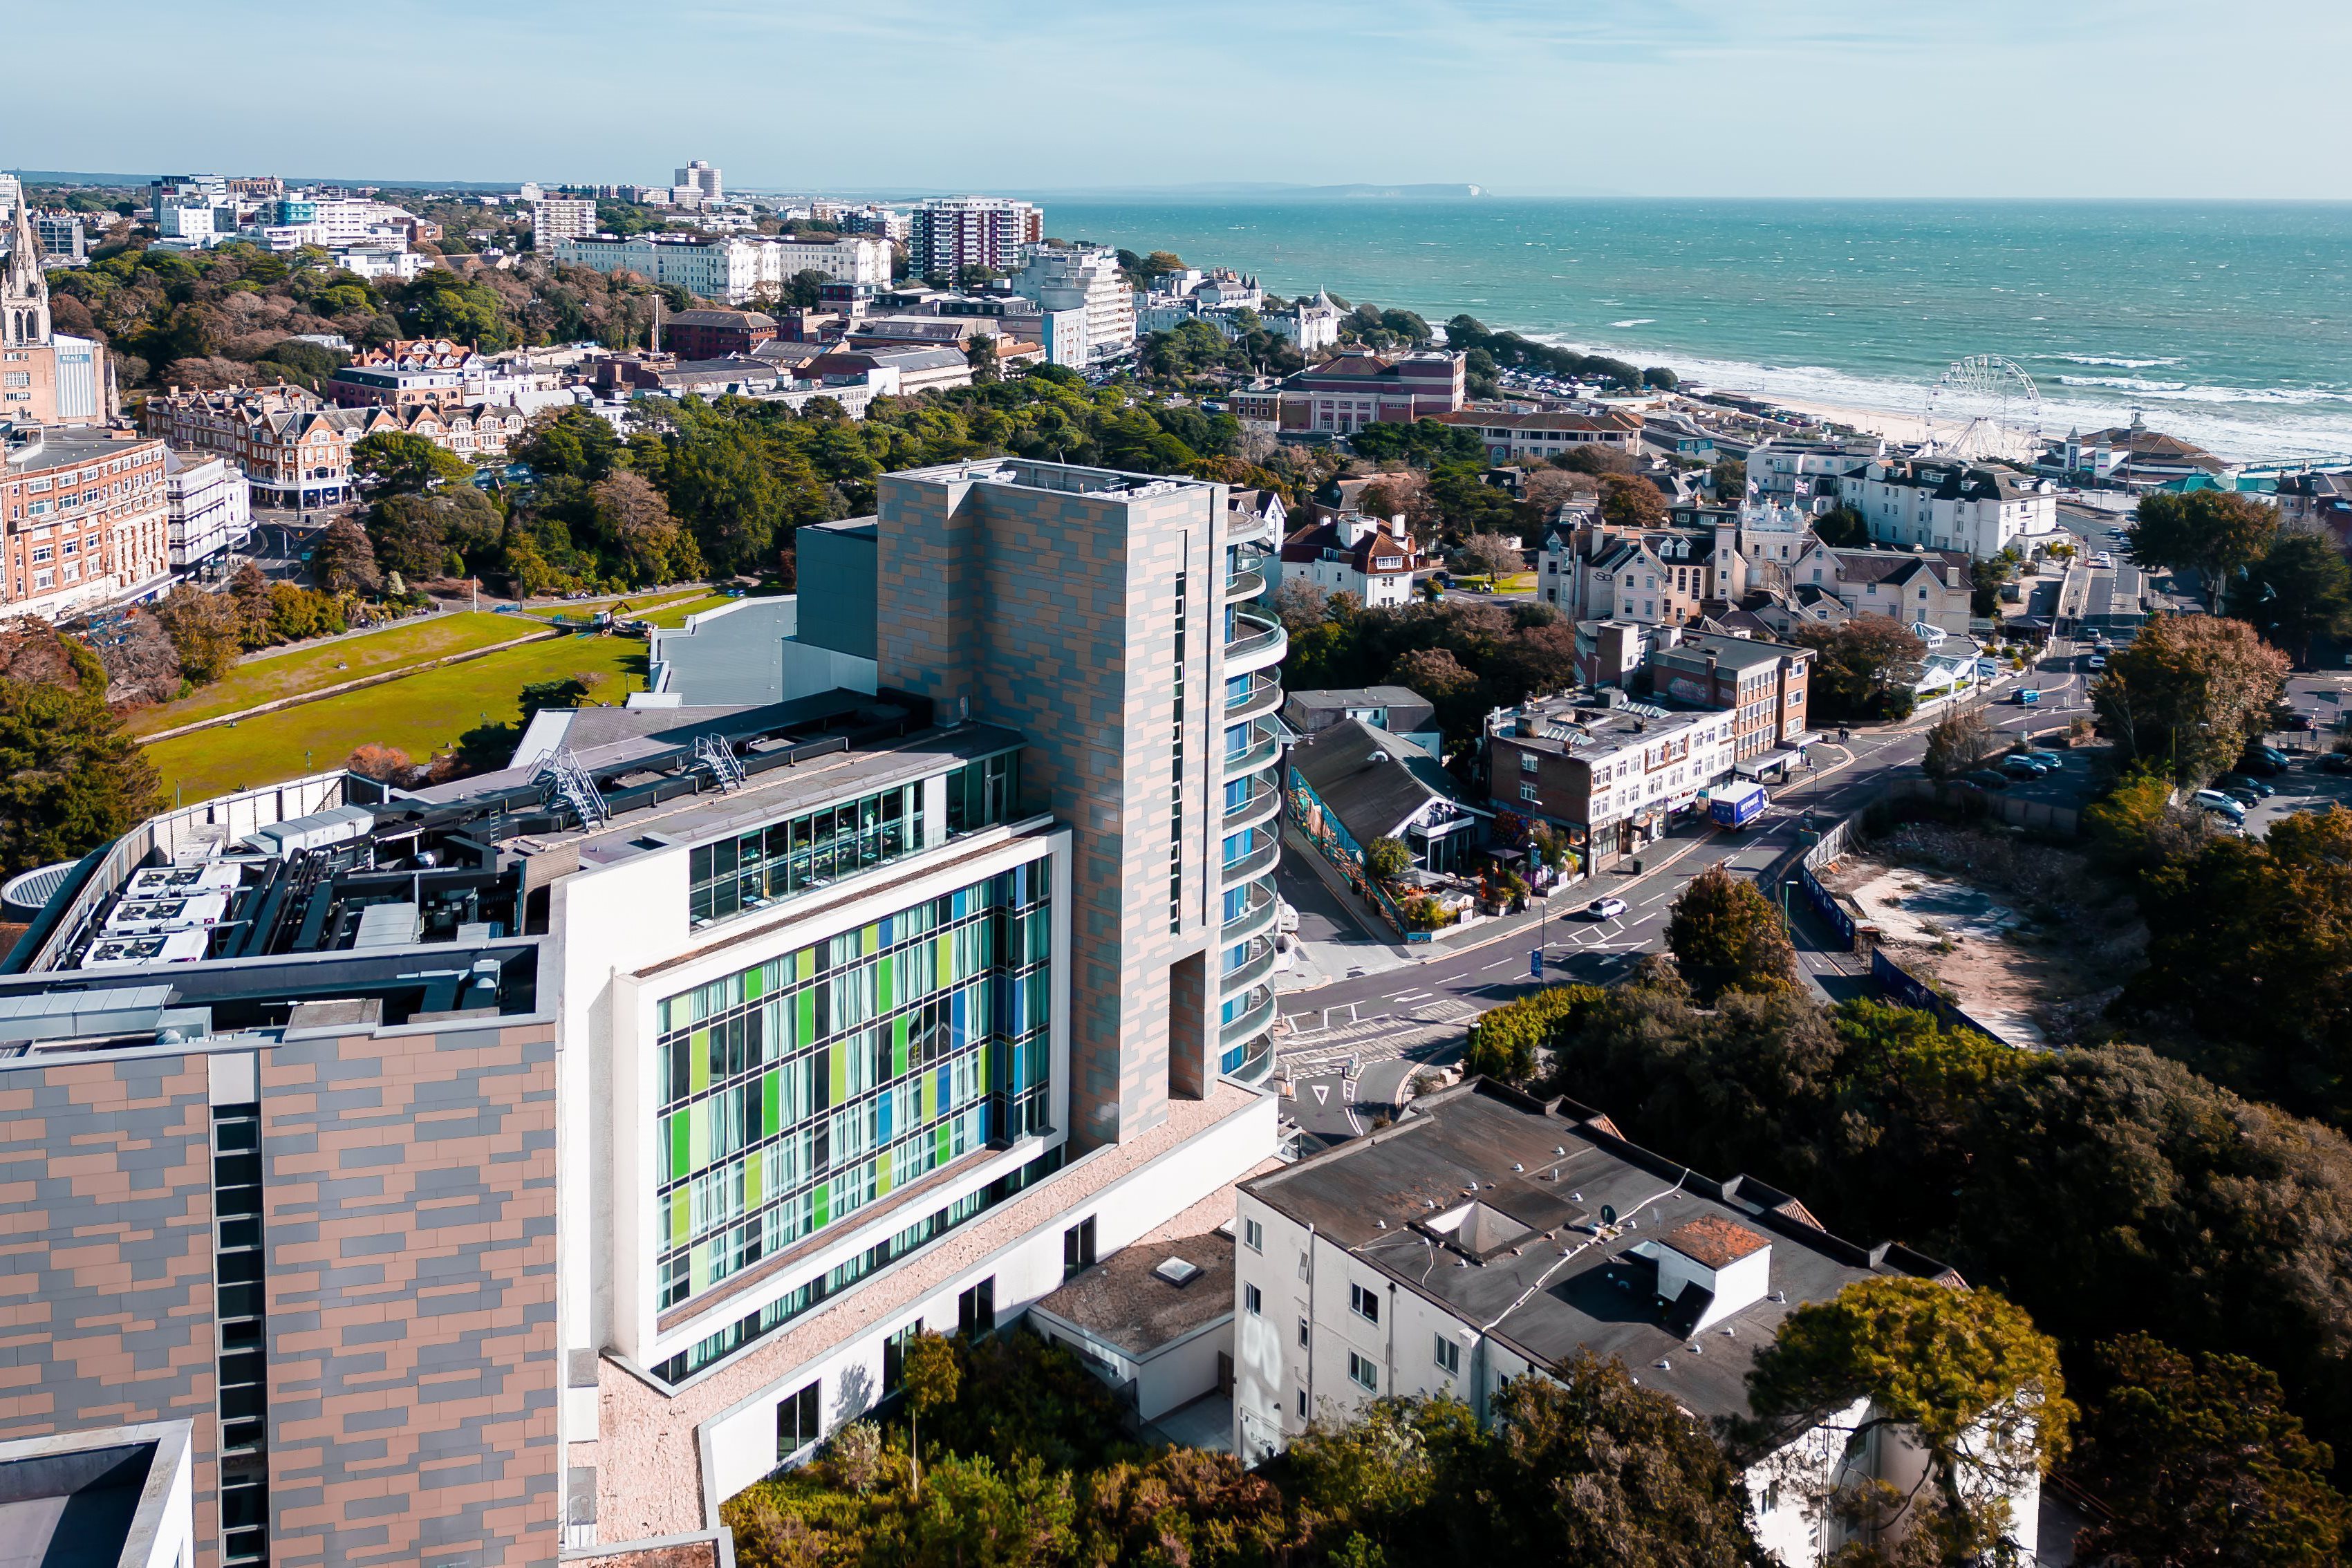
(211,506)
(1372,1270)
(948,234)
(1791,470)
(554,218)
(701,179)
(1356,554)
(1948,504)
(851,258)
(1311,325)
(381,260)
(1065,279)
(734,269)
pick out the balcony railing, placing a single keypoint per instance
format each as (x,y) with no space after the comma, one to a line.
(1254,921)
(1264,697)
(1249,759)
(1259,641)
(1249,970)
(1255,864)
(1253,1019)
(1256,1061)
(1244,584)
(1264,801)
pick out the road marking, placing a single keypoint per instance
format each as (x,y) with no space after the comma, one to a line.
(1503,964)
(1409,995)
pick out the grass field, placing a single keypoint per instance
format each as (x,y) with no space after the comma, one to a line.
(674,614)
(419,713)
(290,674)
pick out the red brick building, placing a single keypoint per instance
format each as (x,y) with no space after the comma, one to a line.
(87,517)
(715,334)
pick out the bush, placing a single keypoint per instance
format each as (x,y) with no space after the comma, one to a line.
(1508,1042)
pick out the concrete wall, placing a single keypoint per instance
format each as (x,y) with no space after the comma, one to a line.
(836,587)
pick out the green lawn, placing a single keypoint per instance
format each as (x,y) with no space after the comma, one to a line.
(674,614)
(419,713)
(256,682)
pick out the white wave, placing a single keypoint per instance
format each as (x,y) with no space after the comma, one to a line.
(2110,360)
(2124,382)
(1635,321)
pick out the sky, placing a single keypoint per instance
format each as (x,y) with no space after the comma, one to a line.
(1791,98)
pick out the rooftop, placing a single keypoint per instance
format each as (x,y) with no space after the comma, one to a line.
(1539,1223)
(1151,1294)
(1737,653)
(1594,724)
(1372,779)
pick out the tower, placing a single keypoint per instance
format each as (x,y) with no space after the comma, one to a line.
(23,288)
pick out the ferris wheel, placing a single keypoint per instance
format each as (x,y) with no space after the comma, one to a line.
(1984,406)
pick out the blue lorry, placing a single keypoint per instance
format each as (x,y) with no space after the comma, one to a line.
(1735,805)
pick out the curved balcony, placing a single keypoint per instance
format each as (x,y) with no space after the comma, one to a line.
(1247,583)
(1254,758)
(1256,1061)
(1257,863)
(1256,920)
(1249,970)
(1246,529)
(1264,804)
(1264,697)
(1254,1019)
(1258,642)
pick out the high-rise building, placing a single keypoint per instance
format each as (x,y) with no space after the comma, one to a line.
(948,234)
(1082,279)
(535,1159)
(702,180)
(556,218)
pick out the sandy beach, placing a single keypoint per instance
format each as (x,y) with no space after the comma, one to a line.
(1905,428)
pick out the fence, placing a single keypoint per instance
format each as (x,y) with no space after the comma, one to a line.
(1912,991)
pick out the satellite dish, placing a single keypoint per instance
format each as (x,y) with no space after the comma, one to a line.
(1608,1214)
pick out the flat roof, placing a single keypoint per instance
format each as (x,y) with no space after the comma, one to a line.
(1538,1264)
(1148,1295)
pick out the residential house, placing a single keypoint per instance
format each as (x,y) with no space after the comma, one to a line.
(1398,709)
(2318,500)
(1591,570)
(1353,554)
(1489,1235)
(1310,325)
(1930,586)
(1806,473)
(1371,784)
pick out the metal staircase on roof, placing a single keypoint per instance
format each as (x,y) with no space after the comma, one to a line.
(574,785)
(713,752)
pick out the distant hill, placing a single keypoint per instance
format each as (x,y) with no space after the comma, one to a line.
(1244,190)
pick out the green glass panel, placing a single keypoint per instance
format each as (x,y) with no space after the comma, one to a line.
(680,1211)
(805,1009)
(931,1095)
(772,1103)
(942,946)
(807,957)
(755,985)
(824,1201)
(699,1149)
(882,1175)
(941,1133)
(702,1268)
(838,1056)
(885,997)
(753,1168)
(899,1046)
(698,1064)
(872,943)
(681,1154)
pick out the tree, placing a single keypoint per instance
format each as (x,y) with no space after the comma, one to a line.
(930,1373)
(1438,675)
(2299,592)
(1959,742)
(204,629)
(1963,1376)
(572,691)
(2200,1462)
(631,513)
(388,765)
(979,353)
(70,780)
(2139,827)
(1843,528)
(1594,458)
(1866,668)
(1728,478)
(1628,501)
(2213,532)
(343,561)
(405,464)
(1386,859)
(1489,555)
(1509,1042)
(2189,692)
(1725,936)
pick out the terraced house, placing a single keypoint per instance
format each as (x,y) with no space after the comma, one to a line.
(294,449)
(531,1162)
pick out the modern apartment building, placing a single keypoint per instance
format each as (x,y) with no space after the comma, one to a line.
(85,512)
(556,218)
(1489,1235)
(948,234)
(731,270)
(701,179)
(533,1161)
(1086,278)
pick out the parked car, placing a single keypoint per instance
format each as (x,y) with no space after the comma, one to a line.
(2021,768)
(2244,797)
(1604,909)
(2232,782)
(2213,800)
(2097,661)
(2262,761)
(2335,763)
(2291,719)
(1987,778)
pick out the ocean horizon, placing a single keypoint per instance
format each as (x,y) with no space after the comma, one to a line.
(2227,324)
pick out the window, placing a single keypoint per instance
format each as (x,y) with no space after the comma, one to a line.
(1078,1248)
(1302,1404)
(1364,1303)
(1528,790)
(1253,1236)
(1303,1333)
(976,1309)
(1364,1374)
(1251,1300)
(1528,763)
(1449,1356)
(796,1422)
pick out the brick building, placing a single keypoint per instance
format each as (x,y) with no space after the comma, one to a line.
(88,519)
(715,334)
(1763,685)
(1359,388)
(294,449)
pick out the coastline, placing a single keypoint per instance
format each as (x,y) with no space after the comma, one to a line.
(1898,427)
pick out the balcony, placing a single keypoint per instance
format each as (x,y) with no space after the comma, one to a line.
(1264,802)
(1249,970)
(1264,697)
(1255,864)
(1256,1061)
(1256,920)
(1258,755)
(1254,1019)
(1259,641)
(1244,584)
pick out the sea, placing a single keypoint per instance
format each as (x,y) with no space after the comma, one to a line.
(2229,324)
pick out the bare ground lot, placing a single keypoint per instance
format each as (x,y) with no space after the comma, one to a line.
(2027,937)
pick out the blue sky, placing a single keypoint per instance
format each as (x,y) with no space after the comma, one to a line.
(2054,98)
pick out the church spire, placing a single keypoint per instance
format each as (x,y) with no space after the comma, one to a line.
(24,287)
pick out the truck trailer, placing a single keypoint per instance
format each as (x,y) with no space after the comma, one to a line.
(1735,805)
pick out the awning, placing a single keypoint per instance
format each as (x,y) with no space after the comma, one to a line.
(1758,766)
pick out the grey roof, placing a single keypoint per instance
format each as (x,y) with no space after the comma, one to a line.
(1373,781)
(1123,1301)
(1894,565)
(917,359)
(1341,698)
(1556,1277)
(1737,652)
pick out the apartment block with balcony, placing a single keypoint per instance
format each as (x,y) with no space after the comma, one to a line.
(596,1130)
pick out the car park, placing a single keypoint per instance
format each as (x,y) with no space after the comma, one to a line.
(1604,909)
(2021,768)
(2244,797)
(2262,761)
